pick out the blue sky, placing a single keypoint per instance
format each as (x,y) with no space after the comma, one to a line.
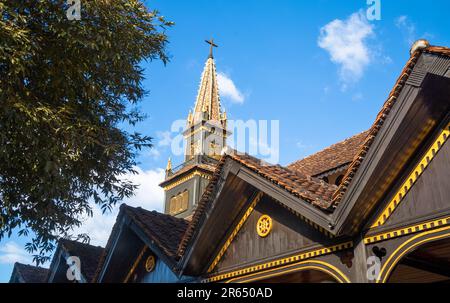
(319,67)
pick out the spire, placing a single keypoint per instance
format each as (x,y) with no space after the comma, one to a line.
(169,167)
(207,105)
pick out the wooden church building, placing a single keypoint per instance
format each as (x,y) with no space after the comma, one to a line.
(374,208)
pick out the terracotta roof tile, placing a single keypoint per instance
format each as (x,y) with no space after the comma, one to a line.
(332,157)
(30,273)
(304,186)
(89,256)
(165,230)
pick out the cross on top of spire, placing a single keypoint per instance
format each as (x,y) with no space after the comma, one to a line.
(212,44)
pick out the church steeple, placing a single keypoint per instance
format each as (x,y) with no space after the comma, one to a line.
(207,106)
(206,126)
(205,137)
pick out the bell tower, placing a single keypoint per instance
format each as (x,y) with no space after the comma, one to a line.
(205,137)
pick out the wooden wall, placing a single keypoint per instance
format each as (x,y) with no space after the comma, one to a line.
(429,196)
(290,234)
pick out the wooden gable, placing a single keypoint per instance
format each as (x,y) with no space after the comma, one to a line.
(289,234)
(423,193)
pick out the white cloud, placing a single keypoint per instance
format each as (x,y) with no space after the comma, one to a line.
(12,252)
(407,28)
(148,196)
(345,41)
(228,89)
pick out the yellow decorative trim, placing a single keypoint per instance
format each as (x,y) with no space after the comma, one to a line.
(186,178)
(274,263)
(406,230)
(235,231)
(135,264)
(412,178)
(150,263)
(264,226)
(388,266)
(341,279)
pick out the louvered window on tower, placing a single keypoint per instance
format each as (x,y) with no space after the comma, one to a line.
(179,203)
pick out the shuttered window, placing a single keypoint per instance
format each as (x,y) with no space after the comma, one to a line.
(179,203)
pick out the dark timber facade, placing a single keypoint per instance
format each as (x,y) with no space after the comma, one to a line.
(374,208)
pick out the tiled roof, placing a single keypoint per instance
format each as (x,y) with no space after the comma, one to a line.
(310,189)
(30,273)
(334,156)
(89,256)
(381,117)
(165,230)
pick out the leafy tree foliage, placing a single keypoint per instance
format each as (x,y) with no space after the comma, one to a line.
(66,87)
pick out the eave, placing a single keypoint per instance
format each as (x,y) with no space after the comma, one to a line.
(416,114)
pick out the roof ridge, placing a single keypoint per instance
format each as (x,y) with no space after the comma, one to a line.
(29,265)
(155,212)
(141,225)
(135,216)
(381,117)
(62,240)
(442,50)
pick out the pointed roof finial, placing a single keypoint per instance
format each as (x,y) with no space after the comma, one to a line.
(212,44)
(190,117)
(169,165)
(419,45)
